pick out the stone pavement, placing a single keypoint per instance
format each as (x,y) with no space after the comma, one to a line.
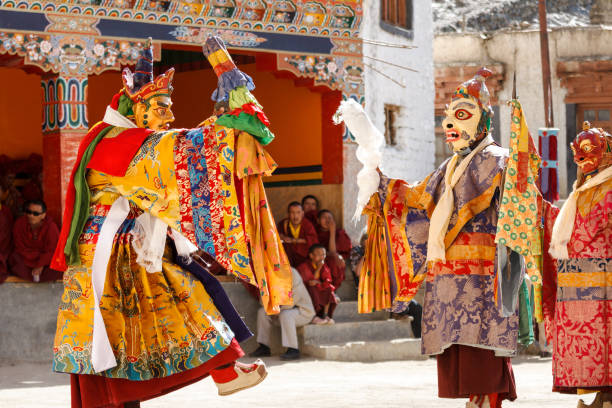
(307,383)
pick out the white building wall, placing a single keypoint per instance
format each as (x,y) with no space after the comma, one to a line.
(520,51)
(412,158)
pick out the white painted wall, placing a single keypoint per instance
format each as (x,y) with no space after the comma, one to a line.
(413,157)
(520,51)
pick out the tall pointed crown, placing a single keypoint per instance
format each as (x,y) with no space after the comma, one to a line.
(477,89)
(140,85)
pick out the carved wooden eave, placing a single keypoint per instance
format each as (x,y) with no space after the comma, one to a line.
(586,80)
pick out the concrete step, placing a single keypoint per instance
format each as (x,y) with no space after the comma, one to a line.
(367,351)
(345,332)
(348,289)
(346,311)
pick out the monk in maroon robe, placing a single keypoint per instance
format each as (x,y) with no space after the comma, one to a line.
(310,204)
(318,280)
(32,190)
(6,241)
(298,234)
(337,243)
(35,237)
(11,197)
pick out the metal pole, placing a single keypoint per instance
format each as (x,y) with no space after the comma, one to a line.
(548,109)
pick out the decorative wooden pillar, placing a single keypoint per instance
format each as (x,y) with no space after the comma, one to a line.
(64,125)
(333,166)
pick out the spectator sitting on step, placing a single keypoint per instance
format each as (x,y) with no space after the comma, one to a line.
(11,196)
(356,258)
(6,241)
(297,233)
(310,204)
(318,280)
(289,319)
(337,243)
(32,190)
(35,237)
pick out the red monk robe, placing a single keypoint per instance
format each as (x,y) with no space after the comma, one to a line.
(322,293)
(297,253)
(6,241)
(311,216)
(33,249)
(31,191)
(343,245)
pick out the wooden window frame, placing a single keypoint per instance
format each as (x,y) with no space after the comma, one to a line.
(396,16)
(391,115)
(582,107)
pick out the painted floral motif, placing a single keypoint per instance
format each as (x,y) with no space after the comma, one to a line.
(339,18)
(231,37)
(71,55)
(341,73)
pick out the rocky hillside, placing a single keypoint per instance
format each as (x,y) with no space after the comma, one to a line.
(488,15)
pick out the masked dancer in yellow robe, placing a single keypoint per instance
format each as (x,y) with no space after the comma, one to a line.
(138,318)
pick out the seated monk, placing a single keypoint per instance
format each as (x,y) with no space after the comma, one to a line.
(6,241)
(35,237)
(310,204)
(297,233)
(11,196)
(32,190)
(337,243)
(318,280)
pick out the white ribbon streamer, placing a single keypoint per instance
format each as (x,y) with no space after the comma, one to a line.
(102,356)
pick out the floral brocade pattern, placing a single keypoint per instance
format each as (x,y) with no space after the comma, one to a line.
(592,235)
(582,346)
(583,319)
(461,310)
(158,324)
(460,305)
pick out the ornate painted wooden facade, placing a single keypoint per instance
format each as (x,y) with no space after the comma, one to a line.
(313,42)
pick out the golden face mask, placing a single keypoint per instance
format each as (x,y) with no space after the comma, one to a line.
(154,113)
(461,123)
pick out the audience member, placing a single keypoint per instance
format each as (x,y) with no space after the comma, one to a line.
(289,319)
(35,237)
(298,234)
(318,280)
(12,197)
(310,204)
(416,311)
(6,242)
(337,243)
(356,258)
(32,190)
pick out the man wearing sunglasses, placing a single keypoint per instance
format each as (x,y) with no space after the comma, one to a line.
(34,237)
